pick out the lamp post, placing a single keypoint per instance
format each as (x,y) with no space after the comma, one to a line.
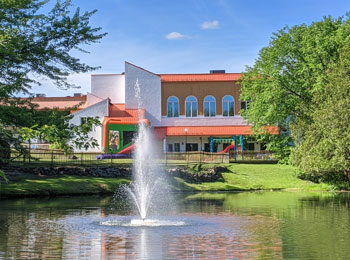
(186,130)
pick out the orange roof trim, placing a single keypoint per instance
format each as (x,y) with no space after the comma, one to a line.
(200,77)
(118,110)
(162,132)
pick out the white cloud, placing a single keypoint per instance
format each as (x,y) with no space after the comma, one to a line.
(175,36)
(210,25)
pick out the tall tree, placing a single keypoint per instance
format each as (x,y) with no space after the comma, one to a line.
(291,72)
(35,44)
(40,44)
(324,148)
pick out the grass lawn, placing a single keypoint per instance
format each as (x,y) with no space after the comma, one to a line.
(255,177)
(238,177)
(55,186)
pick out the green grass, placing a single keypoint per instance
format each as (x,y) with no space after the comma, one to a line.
(55,186)
(241,177)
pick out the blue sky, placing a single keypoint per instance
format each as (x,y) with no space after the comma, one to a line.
(188,36)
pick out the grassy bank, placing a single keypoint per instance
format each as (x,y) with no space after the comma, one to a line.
(238,177)
(56,186)
(245,177)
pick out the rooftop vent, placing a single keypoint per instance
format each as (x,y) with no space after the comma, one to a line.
(77,95)
(217,71)
(40,95)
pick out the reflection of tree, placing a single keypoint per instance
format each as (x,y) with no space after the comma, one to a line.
(28,238)
(272,225)
(319,230)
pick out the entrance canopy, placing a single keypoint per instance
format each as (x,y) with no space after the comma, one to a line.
(162,132)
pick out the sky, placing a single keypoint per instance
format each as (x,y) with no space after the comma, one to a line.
(187,36)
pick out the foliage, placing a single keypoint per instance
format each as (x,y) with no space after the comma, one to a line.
(324,148)
(291,72)
(281,145)
(66,138)
(3,176)
(36,45)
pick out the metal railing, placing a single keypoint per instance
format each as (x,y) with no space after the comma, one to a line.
(251,156)
(51,157)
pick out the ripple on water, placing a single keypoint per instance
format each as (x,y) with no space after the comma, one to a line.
(143,223)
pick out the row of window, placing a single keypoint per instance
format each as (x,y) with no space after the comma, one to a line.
(191,105)
(190,147)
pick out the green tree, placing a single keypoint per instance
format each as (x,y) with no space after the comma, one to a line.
(291,72)
(39,44)
(324,148)
(35,44)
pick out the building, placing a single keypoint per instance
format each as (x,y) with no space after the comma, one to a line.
(188,112)
(75,103)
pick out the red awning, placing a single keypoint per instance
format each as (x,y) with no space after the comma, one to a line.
(162,132)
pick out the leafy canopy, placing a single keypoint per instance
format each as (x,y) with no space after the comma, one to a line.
(36,44)
(290,75)
(292,71)
(325,145)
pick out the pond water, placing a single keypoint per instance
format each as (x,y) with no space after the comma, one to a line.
(257,225)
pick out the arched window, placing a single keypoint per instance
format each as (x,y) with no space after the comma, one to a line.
(191,106)
(173,106)
(209,106)
(228,106)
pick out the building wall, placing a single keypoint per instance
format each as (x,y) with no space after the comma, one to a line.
(203,121)
(150,92)
(110,86)
(99,110)
(200,90)
(200,140)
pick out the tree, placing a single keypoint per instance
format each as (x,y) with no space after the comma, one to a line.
(39,44)
(291,72)
(34,45)
(324,148)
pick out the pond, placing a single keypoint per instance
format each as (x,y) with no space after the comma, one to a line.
(250,225)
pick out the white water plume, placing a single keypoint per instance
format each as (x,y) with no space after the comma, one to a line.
(149,189)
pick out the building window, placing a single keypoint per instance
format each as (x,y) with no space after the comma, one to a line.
(251,147)
(191,106)
(228,106)
(170,147)
(245,105)
(128,137)
(191,147)
(177,147)
(209,106)
(173,107)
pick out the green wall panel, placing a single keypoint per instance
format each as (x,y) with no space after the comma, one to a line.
(115,137)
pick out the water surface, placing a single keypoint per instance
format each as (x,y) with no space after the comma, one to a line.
(259,225)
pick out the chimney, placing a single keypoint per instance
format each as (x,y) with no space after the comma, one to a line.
(40,95)
(77,95)
(217,71)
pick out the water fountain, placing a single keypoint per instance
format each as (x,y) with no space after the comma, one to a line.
(149,189)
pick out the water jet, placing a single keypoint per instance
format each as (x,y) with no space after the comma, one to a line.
(149,190)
